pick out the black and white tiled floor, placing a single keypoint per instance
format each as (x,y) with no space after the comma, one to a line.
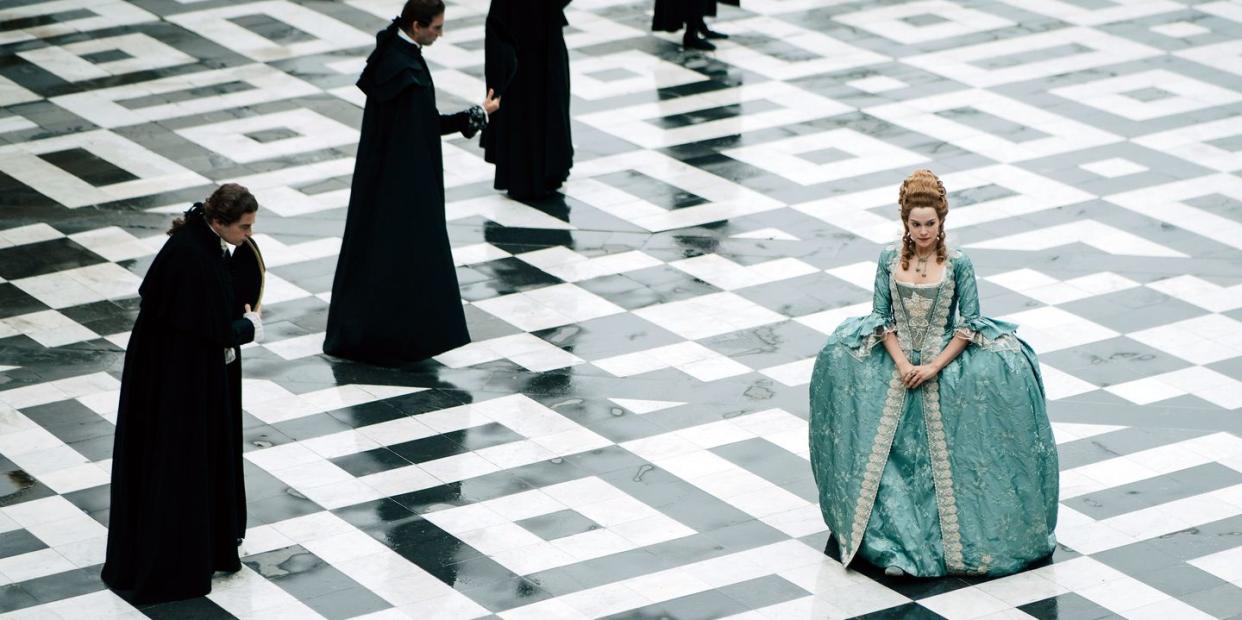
(626,436)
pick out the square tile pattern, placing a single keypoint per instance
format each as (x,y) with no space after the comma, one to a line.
(626,436)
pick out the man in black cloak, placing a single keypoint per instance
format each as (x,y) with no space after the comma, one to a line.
(527,65)
(395,296)
(178,506)
(672,15)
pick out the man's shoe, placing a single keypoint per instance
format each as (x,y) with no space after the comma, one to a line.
(712,34)
(694,42)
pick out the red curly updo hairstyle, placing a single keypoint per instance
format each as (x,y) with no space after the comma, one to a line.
(922,189)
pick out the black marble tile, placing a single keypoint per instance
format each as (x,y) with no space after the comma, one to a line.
(89,167)
(17,486)
(908,611)
(276,508)
(1221,601)
(94,501)
(349,603)
(701,606)
(17,542)
(455,442)
(36,259)
(65,585)
(15,302)
(370,462)
(558,524)
(201,608)
(1065,606)
(13,598)
(764,591)
(1181,484)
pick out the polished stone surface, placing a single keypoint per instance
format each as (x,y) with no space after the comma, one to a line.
(626,436)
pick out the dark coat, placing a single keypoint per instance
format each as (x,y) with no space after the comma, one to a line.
(395,296)
(671,15)
(527,65)
(178,496)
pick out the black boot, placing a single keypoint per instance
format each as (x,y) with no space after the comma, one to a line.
(711,34)
(692,41)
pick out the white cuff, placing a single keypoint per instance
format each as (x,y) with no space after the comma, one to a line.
(230,356)
(254,319)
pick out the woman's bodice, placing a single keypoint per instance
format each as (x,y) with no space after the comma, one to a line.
(914,308)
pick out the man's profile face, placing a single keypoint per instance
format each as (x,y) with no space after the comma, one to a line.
(426,35)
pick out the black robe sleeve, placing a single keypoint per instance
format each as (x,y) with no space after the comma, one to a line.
(174,295)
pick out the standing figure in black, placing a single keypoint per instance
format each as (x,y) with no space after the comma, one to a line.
(395,297)
(527,65)
(178,507)
(672,15)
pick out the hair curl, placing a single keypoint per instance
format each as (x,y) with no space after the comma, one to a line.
(226,205)
(922,189)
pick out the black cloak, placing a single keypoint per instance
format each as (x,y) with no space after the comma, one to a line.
(178,497)
(672,15)
(527,65)
(395,296)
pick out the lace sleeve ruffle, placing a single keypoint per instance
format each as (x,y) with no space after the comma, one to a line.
(988,333)
(861,334)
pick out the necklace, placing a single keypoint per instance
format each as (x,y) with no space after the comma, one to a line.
(920,266)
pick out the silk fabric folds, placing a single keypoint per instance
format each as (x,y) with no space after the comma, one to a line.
(958,476)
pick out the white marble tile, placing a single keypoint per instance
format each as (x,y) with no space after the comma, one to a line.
(144,53)
(1113,167)
(1063,134)
(959,63)
(728,275)
(103,106)
(828,54)
(154,172)
(1226,564)
(1206,295)
(635,125)
(72,287)
(1185,94)
(547,307)
(326,33)
(1165,203)
(571,266)
(691,358)
(640,406)
(792,374)
(1201,340)
(102,14)
(953,20)
(725,199)
(1050,329)
(48,328)
(526,350)
(1179,30)
(506,212)
(766,234)
(1095,14)
(709,315)
(30,233)
(116,244)
(1089,232)
(857,212)
(647,73)
(782,157)
(1194,143)
(230,138)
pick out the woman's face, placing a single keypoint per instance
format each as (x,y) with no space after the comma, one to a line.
(923,226)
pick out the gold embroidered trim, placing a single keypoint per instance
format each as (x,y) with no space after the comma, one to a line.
(894,402)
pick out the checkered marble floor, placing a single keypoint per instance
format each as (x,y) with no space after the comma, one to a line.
(626,436)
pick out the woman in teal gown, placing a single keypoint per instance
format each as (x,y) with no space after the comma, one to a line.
(929,436)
